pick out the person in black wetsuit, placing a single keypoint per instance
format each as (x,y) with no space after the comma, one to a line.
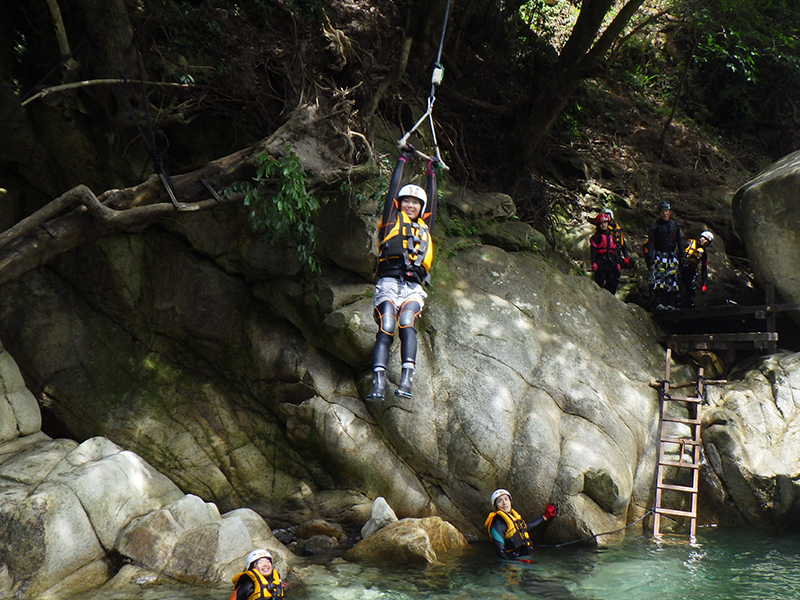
(663,242)
(404,262)
(508,530)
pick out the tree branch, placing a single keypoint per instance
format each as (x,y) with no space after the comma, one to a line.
(91,82)
(78,217)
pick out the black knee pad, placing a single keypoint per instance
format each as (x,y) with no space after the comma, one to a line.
(408,314)
(380,353)
(386,317)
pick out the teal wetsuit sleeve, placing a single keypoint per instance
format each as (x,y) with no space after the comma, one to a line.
(497,532)
(497,536)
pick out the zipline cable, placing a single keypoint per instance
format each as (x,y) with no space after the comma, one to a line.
(436,79)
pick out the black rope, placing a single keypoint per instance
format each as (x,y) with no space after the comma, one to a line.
(436,79)
(594,535)
(441,39)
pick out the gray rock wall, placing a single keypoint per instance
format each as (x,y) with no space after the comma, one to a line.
(202,350)
(751,432)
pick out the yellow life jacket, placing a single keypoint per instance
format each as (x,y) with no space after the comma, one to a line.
(693,254)
(263,587)
(407,250)
(616,233)
(516,534)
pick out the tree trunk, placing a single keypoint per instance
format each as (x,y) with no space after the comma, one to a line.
(579,57)
(114,56)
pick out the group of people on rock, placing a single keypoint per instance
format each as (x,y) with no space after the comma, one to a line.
(674,265)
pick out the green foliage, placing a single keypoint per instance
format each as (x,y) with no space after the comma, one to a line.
(287,214)
(747,61)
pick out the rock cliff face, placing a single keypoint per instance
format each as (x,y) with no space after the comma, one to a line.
(69,512)
(751,433)
(211,355)
(204,351)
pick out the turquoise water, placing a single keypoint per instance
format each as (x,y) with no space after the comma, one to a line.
(724,564)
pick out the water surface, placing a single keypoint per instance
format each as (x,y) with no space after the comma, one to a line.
(725,564)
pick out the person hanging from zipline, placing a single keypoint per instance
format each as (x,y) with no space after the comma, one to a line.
(405,254)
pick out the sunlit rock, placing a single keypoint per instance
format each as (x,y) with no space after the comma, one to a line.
(751,432)
(382,514)
(69,509)
(409,541)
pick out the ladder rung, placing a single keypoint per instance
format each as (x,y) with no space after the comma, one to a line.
(683,399)
(678,488)
(682,420)
(674,463)
(676,513)
(684,441)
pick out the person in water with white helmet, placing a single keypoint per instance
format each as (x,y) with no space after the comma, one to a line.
(259,579)
(404,263)
(508,530)
(695,254)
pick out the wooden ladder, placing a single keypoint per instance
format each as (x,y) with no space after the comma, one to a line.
(694,444)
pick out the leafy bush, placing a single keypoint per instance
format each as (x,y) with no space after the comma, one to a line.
(286,214)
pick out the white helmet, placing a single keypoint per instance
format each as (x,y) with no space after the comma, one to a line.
(609,212)
(708,235)
(414,191)
(254,555)
(497,493)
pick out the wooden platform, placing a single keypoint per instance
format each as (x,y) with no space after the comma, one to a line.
(766,339)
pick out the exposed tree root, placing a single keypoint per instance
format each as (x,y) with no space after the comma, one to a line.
(78,217)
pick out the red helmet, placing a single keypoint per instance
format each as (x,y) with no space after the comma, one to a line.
(602,218)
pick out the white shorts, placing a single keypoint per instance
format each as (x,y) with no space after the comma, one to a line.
(398,291)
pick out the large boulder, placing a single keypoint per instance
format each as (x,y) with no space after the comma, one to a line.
(409,541)
(766,214)
(751,435)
